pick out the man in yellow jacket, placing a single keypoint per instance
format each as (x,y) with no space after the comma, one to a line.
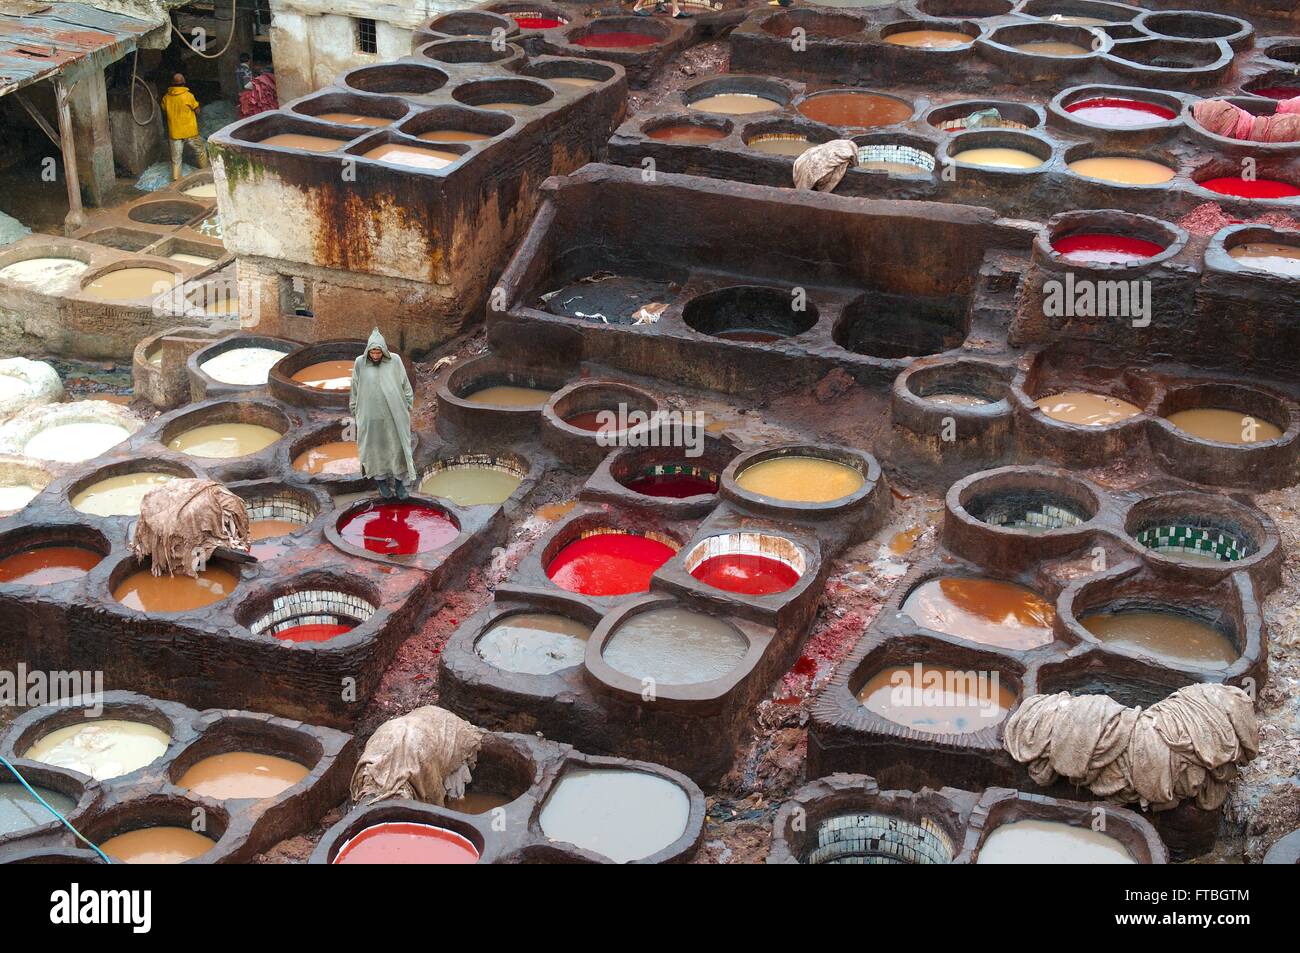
(182,110)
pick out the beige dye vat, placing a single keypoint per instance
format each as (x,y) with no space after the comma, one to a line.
(952,399)
(326,375)
(242,774)
(145,592)
(794,146)
(473,802)
(415,157)
(801,479)
(354,119)
(1268,256)
(292,140)
(157,845)
(506,395)
(207,190)
(675,646)
(930,39)
(987,611)
(735,104)
(892,168)
(1167,636)
(937,699)
(74,442)
(1086,408)
(999,158)
(453,135)
(1224,426)
(582,82)
(259,530)
(224,441)
(1050,842)
(1122,170)
(119,495)
(103,749)
(191,259)
(1053,48)
(472,484)
(242,366)
(621,814)
(130,284)
(534,643)
(335,458)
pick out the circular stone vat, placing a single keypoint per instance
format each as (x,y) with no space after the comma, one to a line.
(608,562)
(1030,509)
(135,586)
(999,151)
(349,109)
(25,383)
(975,114)
(68,433)
(129,282)
(1215,423)
(1102,248)
(1079,12)
(241,362)
(161,844)
(397,528)
(467,51)
(601,411)
(973,9)
(20,483)
(474,479)
(406,842)
(667,479)
(747,563)
(315,614)
(275,510)
(533,643)
(49,273)
(855,108)
(103,748)
(1048,40)
(895,327)
(166,212)
(118,490)
(503,94)
(801,476)
(1195,25)
(326,457)
(238,775)
(1237,186)
(396,79)
(784,137)
(1276,85)
(824,26)
(1118,169)
(987,611)
(674,645)
(1118,107)
(936,699)
(1274,252)
(619,813)
(688,130)
(612,299)
(749,313)
(477,23)
(1168,634)
(1050,842)
(532,16)
(20,811)
(486,383)
(930,36)
(960,384)
(1109,239)
(872,838)
(619,36)
(1199,529)
(570,74)
(45,556)
(450,123)
(736,96)
(894,158)
(225,431)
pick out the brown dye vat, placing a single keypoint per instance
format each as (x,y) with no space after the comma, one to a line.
(47,565)
(145,592)
(687,133)
(1224,426)
(1084,407)
(453,135)
(354,119)
(336,458)
(982,610)
(1268,256)
(242,774)
(931,39)
(1167,636)
(326,375)
(507,395)
(1053,48)
(503,105)
(130,284)
(735,104)
(475,803)
(582,82)
(293,140)
(259,530)
(224,441)
(857,110)
(781,145)
(1122,170)
(937,699)
(157,845)
(416,157)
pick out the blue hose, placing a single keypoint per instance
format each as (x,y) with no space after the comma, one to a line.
(45,804)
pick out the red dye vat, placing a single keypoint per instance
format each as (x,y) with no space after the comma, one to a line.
(537,23)
(746,574)
(399,529)
(400,842)
(616,40)
(1278,92)
(676,486)
(1251,188)
(1097,248)
(593,420)
(686,132)
(608,564)
(311,632)
(47,565)
(1109,111)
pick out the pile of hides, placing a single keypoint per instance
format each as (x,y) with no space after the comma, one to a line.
(260,97)
(159,176)
(425,755)
(821,167)
(184,521)
(1189,745)
(1224,119)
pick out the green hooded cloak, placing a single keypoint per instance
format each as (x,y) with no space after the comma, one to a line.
(380,402)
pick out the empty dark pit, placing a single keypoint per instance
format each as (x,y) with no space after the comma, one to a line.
(814,24)
(975,9)
(749,313)
(959,383)
(466,51)
(1198,529)
(450,123)
(503,94)
(1162,54)
(891,326)
(165,212)
(125,239)
(579,72)
(1065,10)
(340,107)
(863,838)
(476,23)
(399,79)
(1188,25)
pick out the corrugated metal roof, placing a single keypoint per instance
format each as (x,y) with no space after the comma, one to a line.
(37,43)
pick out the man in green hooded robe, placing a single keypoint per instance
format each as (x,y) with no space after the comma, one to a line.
(380,402)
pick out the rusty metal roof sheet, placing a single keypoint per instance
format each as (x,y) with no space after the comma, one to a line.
(39,40)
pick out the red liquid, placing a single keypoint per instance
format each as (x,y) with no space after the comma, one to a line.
(1096,248)
(608,564)
(537,23)
(616,40)
(1251,188)
(859,110)
(399,529)
(398,842)
(48,564)
(676,486)
(687,133)
(593,420)
(746,574)
(1278,92)
(314,632)
(1106,111)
